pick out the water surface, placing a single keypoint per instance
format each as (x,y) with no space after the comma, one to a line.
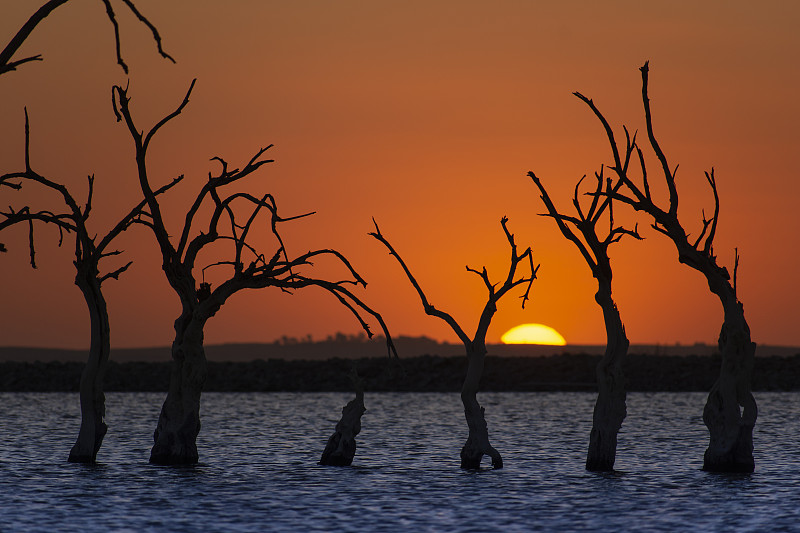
(259,451)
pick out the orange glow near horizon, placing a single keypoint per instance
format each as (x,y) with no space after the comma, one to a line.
(533,334)
(426,116)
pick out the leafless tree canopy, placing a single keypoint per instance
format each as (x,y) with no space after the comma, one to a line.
(89,247)
(232,219)
(494,293)
(697,253)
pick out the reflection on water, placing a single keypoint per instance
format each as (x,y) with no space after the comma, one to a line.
(259,471)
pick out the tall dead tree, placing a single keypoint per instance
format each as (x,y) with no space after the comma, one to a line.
(477,444)
(90,250)
(232,217)
(730,412)
(7,63)
(610,409)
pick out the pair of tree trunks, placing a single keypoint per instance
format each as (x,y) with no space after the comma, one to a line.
(730,412)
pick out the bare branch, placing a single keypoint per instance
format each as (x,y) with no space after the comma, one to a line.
(14,64)
(24,32)
(485,277)
(559,218)
(113,19)
(30,241)
(6,64)
(153,30)
(169,117)
(426,306)
(115,274)
(715,218)
(668,176)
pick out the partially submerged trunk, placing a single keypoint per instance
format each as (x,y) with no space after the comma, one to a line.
(341,446)
(610,409)
(477,444)
(93,402)
(730,412)
(175,437)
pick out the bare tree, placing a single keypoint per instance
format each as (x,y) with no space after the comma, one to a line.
(478,440)
(7,63)
(179,422)
(89,252)
(341,446)
(610,409)
(730,412)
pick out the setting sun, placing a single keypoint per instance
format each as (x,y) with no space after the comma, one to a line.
(533,334)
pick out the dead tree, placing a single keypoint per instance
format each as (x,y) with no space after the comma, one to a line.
(90,250)
(478,440)
(341,446)
(232,216)
(730,411)
(610,409)
(7,64)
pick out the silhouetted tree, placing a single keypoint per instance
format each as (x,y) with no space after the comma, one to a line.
(6,55)
(609,410)
(341,446)
(478,440)
(90,249)
(179,422)
(730,411)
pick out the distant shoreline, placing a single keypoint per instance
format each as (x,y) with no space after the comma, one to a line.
(355,348)
(427,373)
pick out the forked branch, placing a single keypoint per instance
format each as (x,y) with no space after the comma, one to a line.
(494,293)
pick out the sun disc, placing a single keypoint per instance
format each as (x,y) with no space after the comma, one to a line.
(533,334)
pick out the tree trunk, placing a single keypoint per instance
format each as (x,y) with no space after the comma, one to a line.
(730,412)
(478,440)
(93,402)
(610,409)
(341,447)
(175,437)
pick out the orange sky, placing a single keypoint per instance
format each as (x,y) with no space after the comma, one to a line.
(426,115)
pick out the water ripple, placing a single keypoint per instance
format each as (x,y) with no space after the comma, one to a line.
(258,468)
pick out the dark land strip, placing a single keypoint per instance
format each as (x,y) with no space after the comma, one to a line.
(564,372)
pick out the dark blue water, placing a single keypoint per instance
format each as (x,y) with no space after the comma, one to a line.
(258,468)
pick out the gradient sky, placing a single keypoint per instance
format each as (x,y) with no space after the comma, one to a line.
(427,116)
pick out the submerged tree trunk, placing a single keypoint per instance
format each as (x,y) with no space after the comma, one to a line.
(341,447)
(175,437)
(730,412)
(478,440)
(93,402)
(610,409)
